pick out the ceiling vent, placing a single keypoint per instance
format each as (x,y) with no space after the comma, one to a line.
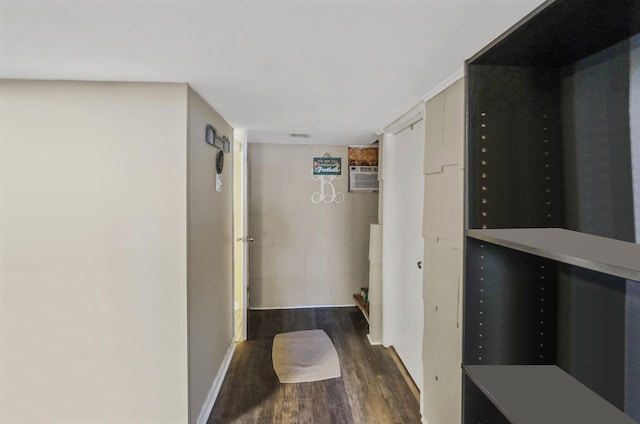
(299,135)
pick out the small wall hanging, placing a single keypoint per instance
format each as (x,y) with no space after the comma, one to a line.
(326,170)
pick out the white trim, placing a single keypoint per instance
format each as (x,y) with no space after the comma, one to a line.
(372,342)
(388,257)
(207,407)
(268,308)
(409,118)
(444,84)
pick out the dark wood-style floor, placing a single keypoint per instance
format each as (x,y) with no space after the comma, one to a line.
(371,389)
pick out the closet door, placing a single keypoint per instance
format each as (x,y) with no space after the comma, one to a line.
(408,184)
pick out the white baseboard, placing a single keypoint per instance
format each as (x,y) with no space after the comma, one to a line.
(215,387)
(268,308)
(372,342)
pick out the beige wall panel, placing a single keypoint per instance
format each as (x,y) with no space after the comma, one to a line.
(443,212)
(443,229)
(453,140)
(375,302)
(444,129)
(434,134)
(375,245)
(442,333)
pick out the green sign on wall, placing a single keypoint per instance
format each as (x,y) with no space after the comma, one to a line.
(327,166)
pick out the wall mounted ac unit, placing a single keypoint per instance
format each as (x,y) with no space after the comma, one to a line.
(363,179)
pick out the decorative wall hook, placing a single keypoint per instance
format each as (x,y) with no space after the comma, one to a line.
(212,139)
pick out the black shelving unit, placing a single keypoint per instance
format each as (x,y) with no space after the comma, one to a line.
(552,264)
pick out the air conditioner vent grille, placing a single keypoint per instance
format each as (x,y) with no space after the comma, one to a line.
(363,178)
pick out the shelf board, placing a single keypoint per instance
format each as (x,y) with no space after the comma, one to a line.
(534,394)
(362,305)
(614,257)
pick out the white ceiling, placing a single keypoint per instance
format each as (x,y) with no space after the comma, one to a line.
(339,70)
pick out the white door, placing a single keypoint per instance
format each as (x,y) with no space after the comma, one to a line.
(241,245)
(407,183)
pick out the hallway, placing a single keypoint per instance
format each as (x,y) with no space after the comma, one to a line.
(371,389)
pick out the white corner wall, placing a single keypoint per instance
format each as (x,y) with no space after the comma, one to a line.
(443,231)
(304,254)
(94,229)
(210,271)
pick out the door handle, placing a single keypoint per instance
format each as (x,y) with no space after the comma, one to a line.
(419,264)
(249,239)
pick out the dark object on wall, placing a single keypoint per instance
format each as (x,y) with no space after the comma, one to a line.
(212,139)
(219,162)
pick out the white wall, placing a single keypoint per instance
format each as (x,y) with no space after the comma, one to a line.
(304,254)
(94,265)
(210,275)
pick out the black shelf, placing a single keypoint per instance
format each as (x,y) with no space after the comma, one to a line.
(601,254)
(559,33)
(534,394)
(551,261)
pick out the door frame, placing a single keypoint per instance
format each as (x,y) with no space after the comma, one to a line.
(240,229)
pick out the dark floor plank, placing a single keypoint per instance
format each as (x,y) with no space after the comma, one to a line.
(370,390)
